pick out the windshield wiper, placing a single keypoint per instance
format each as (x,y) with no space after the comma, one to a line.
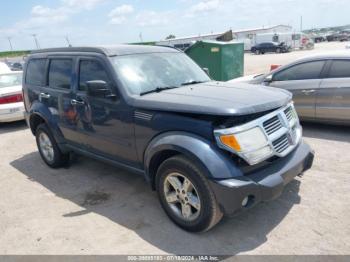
(192,83)
(158,89)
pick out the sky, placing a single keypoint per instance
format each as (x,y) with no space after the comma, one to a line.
(98,22)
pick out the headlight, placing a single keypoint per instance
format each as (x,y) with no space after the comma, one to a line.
(251,144)
(245,141)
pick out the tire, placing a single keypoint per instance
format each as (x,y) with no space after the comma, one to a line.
(278,50)
(207,214)
(46,142)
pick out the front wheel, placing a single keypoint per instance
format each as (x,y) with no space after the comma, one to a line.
(186,196)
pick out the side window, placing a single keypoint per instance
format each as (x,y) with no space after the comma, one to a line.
(60,73)
(36,72)
(91,70)
(340,69)
(309,70)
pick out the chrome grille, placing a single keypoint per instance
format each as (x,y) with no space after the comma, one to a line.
(281,128)
(281,144)
(272,125)
(289,113)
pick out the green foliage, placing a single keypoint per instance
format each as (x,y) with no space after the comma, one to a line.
(13,53)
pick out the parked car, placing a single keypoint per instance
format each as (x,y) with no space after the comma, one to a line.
(270,47)
(17,66)
(4,68)
(208,148)
(11,99)
(320,85)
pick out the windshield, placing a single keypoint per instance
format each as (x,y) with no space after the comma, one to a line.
(146,72)
(7,80)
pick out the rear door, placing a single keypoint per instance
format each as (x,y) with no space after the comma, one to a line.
(57,92)
(303,81)
(333,99)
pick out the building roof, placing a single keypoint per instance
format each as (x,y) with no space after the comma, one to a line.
(259,28)
(113,50)
(193,36)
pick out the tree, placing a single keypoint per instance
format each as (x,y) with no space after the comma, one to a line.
(170,37)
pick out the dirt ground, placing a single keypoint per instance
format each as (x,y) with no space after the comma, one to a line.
(93,208)
(257,64)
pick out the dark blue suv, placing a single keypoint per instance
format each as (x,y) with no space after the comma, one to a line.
(208,148)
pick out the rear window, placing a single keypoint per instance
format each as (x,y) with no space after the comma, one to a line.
(36,72)
(60,73)
(309,70)
(340,69)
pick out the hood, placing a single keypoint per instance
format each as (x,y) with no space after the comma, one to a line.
(215,98)
(250,79)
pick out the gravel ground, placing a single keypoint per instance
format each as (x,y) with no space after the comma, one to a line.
(258,64)
(93,208)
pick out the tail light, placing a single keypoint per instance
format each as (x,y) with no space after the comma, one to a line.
(11,99)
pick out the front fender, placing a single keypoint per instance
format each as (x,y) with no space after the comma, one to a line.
(41,110)
(218,164)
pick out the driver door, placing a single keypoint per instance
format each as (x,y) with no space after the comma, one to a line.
(103,121)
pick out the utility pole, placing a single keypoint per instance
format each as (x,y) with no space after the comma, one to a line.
(301,23)
(68,42)
(36,41)
(9,39)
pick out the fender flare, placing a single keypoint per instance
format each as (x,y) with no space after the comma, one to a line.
(218,164)
(41,110)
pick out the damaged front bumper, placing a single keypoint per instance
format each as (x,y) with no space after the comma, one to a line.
(265,184)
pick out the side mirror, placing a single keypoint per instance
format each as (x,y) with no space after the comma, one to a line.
(98,88)
(206,70)
(268,79)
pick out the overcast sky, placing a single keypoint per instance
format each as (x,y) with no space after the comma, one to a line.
(88,22)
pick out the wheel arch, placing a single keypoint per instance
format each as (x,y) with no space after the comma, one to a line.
(39,114)
(203,152)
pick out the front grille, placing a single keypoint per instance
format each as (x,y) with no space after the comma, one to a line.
(272,125)
(281,144)
(289,113)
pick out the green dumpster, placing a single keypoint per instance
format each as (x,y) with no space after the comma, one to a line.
(225,60)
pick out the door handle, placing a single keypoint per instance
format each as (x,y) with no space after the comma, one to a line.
(306,92)
(74,102)
(44,95)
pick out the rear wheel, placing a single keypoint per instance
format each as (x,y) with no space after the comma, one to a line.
(48,148)
(185,195)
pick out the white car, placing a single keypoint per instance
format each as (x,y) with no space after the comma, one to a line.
(11,99)
(4,68)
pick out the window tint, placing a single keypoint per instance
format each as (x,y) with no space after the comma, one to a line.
(340,68)
(310,70)
(91,70)
(60,73)
(36,72)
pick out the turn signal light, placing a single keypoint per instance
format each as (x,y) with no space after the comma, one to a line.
(230,141)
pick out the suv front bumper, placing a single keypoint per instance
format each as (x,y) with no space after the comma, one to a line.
(265,184)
